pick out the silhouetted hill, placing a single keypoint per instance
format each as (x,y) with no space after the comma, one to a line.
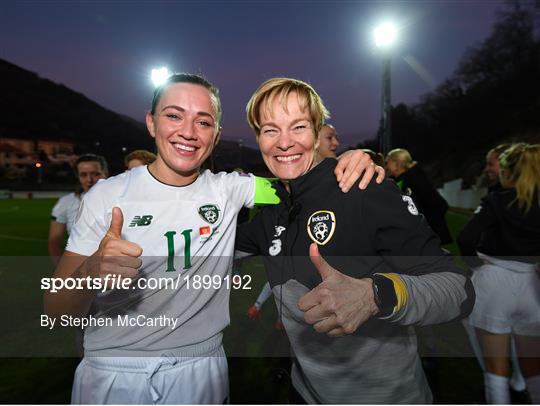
(36,108)
(32,107)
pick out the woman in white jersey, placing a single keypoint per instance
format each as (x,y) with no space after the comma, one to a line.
(89,168)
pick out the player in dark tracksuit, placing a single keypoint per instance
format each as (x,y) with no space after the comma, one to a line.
(415,183)
(361,234)
(499,228)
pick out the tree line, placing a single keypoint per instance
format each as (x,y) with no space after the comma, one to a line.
(493,96)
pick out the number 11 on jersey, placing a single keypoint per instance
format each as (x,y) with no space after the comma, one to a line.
(170,249)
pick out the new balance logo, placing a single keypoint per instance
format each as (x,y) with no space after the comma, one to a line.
(139,221)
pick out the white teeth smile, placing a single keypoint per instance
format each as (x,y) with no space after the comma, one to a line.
(288,158)
(184,147)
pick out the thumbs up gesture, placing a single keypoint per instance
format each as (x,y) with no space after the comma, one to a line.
(340,304)
(117,256)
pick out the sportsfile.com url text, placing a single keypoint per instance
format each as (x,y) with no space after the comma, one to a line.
(112,281)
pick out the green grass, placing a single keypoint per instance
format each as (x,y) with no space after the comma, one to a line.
(256,377)
(456,220)
(24,226)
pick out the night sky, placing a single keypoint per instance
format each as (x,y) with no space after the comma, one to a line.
(106,49)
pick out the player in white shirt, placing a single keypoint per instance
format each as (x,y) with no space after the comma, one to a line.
(184,222)
(139,157)
(90,168)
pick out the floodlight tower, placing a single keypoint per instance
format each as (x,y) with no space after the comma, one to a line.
(385,35)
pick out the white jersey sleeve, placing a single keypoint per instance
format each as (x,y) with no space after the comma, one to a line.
(60,210)
(65,210)
(92,222)
(239,188)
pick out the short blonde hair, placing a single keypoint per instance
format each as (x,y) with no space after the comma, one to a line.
(282,88)
(402,156)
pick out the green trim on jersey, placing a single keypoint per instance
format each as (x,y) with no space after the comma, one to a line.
(400,185)
(264,192)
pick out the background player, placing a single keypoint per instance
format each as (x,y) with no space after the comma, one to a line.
(139,157)
(328,142)
(89,169)
(505,232)
(493,168)
(414,182)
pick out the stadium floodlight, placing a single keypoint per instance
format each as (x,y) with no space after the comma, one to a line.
(159,76)
(385,34)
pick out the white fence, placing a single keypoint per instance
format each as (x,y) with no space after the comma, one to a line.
(30,194)
(464,198)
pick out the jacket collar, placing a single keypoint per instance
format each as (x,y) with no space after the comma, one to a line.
(306,182)
(409,173)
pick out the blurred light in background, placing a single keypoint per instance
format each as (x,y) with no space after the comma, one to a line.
(385,34)
(159,76)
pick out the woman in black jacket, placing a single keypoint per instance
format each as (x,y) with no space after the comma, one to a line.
(505,233)
(374,267)
(413,181)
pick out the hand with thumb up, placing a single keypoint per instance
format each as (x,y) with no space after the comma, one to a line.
(339,304)
(117,257)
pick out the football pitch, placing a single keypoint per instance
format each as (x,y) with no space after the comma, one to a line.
(260,375)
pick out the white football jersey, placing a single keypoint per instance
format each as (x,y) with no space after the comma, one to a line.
(65,210)
(185,232)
